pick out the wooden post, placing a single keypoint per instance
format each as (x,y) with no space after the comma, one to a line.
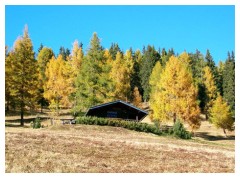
(137,118)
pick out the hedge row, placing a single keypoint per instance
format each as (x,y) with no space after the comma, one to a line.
(137,126)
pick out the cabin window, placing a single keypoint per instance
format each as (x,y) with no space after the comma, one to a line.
(112,114)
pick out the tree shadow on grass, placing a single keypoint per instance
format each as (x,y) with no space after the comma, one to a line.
(12,125)
(206,136)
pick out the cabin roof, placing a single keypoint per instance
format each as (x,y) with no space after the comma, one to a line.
(115,102)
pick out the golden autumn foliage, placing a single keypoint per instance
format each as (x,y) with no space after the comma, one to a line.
(211,89)
(59,83)
(155,77)
(106,66)
(176,96)
(76,58)
(107,56)
(220,114)
(120,74)
(137,98)
(209,83)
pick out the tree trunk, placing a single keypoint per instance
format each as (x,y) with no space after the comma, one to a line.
(224,131)
(41,105)
(206,117)
(22,113)
(174,118)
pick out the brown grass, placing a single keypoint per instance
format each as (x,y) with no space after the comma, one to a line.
(84,148)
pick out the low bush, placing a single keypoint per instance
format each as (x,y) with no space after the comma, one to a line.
(178,130)
(36,124)
(141,127)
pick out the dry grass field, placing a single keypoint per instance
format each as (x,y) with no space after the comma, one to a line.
(84,148)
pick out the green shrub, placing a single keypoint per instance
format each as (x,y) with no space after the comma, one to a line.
(178,130)
(37,123)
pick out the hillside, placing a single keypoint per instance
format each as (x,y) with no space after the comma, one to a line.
(84,148)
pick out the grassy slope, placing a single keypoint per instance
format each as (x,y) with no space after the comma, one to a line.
(84,148)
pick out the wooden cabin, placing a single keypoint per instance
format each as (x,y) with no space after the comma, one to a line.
(117,109)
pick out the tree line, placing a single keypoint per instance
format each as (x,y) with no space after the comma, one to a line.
(175,86)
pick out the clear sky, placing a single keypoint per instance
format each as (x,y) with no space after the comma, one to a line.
(179,27)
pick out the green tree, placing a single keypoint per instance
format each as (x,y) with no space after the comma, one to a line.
(220,115)
(166,55)
(210,62)
(229,81)
(150,57)
(114,48)
(135,80)
(24,73)
(8,79)
(197,64)
(89,83)
(44,56)
(64,52)
(40,47)
(219,79)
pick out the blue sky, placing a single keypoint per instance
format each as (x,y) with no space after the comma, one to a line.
(178,27)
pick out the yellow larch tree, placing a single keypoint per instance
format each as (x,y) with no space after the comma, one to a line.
(176,97)
(155,77)
(73,66)
(120,74)
(154,86)
(211,89)
(76,57)
(137,98)
(58,84)
(220,115)
(108,83)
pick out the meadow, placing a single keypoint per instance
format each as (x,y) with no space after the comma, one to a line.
(88,148)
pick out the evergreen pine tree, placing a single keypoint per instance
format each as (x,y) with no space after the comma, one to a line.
(210,62)
(40,47)
(150,57)
(135,78)
(89,84)
(197,64)
(114,49)
(229,81)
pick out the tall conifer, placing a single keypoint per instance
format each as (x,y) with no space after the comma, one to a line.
(229,81)
(24,73)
